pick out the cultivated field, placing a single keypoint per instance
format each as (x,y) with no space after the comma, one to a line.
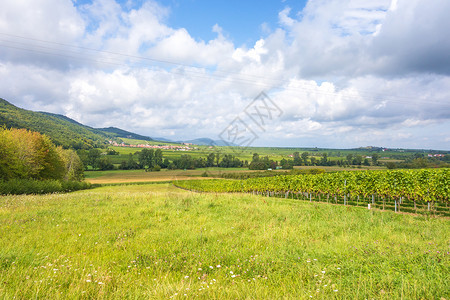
(128,176)
(155,241)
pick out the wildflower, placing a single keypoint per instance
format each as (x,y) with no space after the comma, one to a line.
(308,261)
(88,280)
(211,267)
(232,276)
(231,272)
(100,282)
(218,266)
(315,259)
(338,268)
(323,272)
(199,269)
(186,276)
(335,290)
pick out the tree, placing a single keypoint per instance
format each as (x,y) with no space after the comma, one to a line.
(357,160)
(110,151)
(324,160)
(217,158)
(210,160)
(349,158)
(94,158)
(287,164)
(305,158)
(158,158)
(129,164)
(375,158)
(83,155)
(72,164)
(26,154)
(297,161)
(105,164)
(146,158)
(166,163)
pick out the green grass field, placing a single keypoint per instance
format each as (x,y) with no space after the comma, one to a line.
(159,242)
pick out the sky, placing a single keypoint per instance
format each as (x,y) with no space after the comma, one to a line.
(316,73)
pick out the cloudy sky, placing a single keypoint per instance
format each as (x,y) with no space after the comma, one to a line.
(337,74)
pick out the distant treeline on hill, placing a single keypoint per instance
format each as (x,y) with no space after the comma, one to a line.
(62,130)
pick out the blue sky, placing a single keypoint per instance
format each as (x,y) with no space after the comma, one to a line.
(341,74)
(241,21)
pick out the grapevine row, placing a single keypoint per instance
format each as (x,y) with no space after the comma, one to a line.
(429,185)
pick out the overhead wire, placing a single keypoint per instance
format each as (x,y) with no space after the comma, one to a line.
(204,72)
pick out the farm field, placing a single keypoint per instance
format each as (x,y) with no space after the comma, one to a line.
(128,176)
(156,241)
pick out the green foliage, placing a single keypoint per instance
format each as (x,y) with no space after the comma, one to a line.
(110,151)
(259,163)
(413,185)
(73,165)
(104,164)
(146,158)
(25,154)
(124,134)
(60,129)
(32,186)
(129,164)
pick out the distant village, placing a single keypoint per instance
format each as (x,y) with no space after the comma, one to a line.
(182,147)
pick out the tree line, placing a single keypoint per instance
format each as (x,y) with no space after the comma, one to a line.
(26,154)
(153,160)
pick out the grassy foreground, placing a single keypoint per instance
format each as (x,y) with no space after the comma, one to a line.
(156,241)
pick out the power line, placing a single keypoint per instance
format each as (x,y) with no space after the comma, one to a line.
(226,76)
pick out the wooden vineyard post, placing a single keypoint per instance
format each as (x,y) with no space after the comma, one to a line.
(345,194)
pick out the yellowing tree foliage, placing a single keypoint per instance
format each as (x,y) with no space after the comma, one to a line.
(27,154)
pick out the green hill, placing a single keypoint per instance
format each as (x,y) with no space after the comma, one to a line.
(124,134)
(61,129)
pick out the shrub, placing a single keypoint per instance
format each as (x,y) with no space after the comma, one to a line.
(32,186)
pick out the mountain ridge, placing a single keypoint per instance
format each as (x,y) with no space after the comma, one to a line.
(69,133)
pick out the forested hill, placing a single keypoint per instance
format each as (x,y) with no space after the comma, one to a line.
(125,134)
(61,129)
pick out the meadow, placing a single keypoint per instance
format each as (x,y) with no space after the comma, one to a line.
(156,241)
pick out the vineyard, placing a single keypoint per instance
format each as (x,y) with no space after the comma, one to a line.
(425,190)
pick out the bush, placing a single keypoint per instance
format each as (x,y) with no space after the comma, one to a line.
(32,186)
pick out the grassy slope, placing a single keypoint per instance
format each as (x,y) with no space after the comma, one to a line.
(155,241)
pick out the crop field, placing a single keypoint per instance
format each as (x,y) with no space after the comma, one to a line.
(128,176)
(156,241)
